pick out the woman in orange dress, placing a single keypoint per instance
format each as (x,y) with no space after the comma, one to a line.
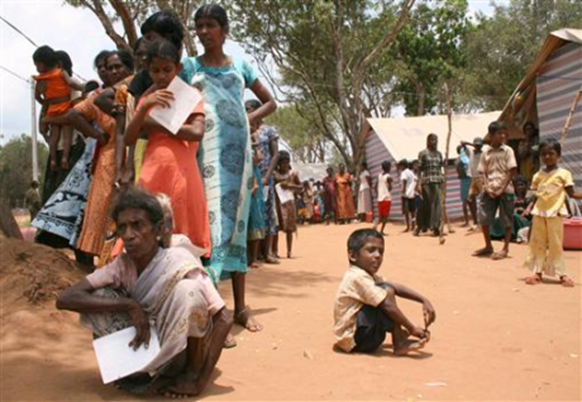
(169,164)
(345,201)
(96,217)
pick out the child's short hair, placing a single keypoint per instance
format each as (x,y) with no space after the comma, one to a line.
(386,165)
(167,24)
(284,156)
(520,179)
(46,55)
(65,60)
(495,127)
(551,143)
(253,104)
(358,238)
(403,164)
(163,49)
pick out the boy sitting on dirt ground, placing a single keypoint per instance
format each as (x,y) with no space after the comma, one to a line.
(365,306)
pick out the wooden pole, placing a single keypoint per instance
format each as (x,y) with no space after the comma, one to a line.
(569,118)
(445,162)
(34,134)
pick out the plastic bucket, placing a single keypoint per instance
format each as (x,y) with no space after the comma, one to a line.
(573,234)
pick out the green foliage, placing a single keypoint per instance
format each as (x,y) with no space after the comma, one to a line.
(431,49)
(16,168)
(320,48)
(502,47)
(306,141)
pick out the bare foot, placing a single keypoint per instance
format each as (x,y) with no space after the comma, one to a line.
(534,279)
(230,341)
(408,346)
(53,165)
(256,265)
(500,255)
(184,386)
(244,319)
(65,163)
(271,260)
(406,230)
(566,281)
(483,252)
(289,256)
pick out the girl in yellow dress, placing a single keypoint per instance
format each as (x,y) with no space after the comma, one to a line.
(551,184)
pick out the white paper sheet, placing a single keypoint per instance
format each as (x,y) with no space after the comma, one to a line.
(284,195)
(185,100)
(117,360)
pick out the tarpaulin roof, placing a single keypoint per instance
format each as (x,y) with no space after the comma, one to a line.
(306,171)
(405,137)
(523,96)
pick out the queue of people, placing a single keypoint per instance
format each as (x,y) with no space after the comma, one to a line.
(225,192)
(206,172)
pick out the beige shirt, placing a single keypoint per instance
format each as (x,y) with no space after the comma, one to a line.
(356,289)
(495,165)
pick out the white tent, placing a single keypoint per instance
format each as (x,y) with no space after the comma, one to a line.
(404,137)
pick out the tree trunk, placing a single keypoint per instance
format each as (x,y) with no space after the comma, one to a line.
(128,23)
(8,225)
(421,92)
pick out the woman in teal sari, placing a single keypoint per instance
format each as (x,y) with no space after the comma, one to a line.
(225,157)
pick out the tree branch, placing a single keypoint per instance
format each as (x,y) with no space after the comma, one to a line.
(96,7)
(126,20)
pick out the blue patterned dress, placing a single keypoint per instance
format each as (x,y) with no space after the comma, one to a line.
(225,160)
(265,135)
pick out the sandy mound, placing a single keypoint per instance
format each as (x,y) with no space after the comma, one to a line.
(32,274)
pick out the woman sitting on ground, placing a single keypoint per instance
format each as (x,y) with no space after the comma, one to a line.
(164,287)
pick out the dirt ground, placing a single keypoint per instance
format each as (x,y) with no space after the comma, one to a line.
(495,338)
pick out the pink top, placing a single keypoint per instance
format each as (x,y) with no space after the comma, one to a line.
(122,274)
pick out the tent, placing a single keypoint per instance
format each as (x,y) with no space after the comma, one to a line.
(545,95)
(307,171)
(395,139)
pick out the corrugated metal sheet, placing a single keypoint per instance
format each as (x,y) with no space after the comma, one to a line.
(512,112)
(559,80)
(377,152)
